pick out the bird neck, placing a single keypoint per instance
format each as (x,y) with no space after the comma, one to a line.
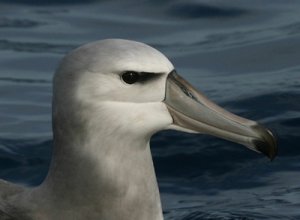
(104,176)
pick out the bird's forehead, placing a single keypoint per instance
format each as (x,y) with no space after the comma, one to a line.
(119,55)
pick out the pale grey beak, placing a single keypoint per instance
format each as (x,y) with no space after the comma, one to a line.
(192,111)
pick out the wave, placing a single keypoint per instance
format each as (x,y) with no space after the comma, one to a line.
(200,10)
(48,2)
(38,47)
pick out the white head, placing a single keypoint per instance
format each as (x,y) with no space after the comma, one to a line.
(127,88)
(89,90)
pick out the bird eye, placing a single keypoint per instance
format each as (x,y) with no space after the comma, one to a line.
(130,77)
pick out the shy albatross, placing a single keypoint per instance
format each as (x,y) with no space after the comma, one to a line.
(109,98)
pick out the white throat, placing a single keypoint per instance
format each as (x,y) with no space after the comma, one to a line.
(102,173)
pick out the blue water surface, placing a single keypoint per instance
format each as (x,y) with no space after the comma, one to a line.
(244,55)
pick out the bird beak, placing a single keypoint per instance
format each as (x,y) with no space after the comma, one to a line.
(192,111)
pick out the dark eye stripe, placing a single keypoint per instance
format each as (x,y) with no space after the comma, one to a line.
(131,77)
(147,76)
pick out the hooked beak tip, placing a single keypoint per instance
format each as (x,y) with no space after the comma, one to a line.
(267,144)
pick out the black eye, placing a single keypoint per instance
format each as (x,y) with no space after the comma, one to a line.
(130,77)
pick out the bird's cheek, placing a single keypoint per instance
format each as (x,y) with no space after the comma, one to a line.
(153,117)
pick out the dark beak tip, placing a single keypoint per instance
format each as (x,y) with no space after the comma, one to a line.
(266,141)
(267,148)
(272,155)
(274,146)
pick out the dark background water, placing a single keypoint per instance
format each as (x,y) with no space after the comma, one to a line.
(244,55)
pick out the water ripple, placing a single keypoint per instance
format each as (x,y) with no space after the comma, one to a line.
(24,160)
(29,81)
(200,10)
(219,215)
(34,47)
(47,2)
(17,23)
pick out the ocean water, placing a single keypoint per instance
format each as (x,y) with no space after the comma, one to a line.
(244,55)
